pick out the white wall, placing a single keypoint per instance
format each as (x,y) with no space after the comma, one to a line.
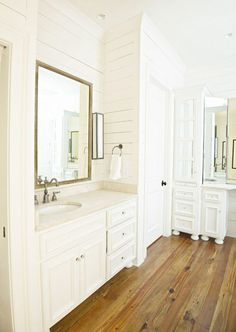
(70,41)
(221,82)
(121,96)
(232,214)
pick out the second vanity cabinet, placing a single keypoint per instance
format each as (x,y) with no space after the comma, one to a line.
(78,257)
(214,214)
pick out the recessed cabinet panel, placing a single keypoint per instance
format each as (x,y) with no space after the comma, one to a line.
(184,208)
(120,235)
(212,197)
(185,136)
(119,259)
(60,284)
(93,263)
(121,213)
(185,194)
(184,150)
(184,170)
(183,224)
(185,129)
(211,219)
(186,110)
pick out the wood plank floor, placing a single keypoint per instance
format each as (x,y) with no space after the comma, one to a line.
(183,285)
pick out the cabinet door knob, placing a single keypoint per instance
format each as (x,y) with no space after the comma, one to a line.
(123,234)
(77,259)
(82,256)
(123,212)
(122,257)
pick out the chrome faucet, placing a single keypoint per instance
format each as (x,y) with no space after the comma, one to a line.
(45,193)
(54,180)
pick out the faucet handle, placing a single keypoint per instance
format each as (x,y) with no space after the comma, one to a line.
(54,195)
(40,180)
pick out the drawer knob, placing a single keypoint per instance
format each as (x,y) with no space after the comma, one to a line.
(123,212)
(77,259)
(82,256)
(122,257)
(123,234)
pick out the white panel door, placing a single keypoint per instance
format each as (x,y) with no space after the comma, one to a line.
(93,263)
(60,285)
(211,219)
(156,106)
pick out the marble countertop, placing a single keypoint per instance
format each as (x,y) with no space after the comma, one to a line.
(91,201)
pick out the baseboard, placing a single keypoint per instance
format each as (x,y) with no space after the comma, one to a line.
(231,229)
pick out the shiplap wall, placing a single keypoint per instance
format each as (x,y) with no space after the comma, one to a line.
(121,96)
(72,42)
(232,214)
(17,7)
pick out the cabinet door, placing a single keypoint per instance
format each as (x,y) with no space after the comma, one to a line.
(93,263)
(185,129)
(60,285)
(211,219)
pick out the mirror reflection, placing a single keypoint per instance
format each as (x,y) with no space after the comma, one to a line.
(215,142)
(220,140)
(62,126)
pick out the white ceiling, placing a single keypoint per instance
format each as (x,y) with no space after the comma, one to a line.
(195,28)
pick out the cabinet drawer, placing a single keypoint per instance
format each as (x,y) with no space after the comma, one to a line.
(120,235)
(58,240)
(185,208)
(212,196)
(185,193)
(118,260)
(120,213)
(183,224)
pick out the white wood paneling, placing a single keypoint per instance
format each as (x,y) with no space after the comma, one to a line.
(71,42)
(121,96)
(232,214)
(19,6)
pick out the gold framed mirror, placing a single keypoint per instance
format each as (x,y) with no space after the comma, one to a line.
(63,126)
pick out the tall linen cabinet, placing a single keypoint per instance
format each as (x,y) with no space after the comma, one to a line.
(188,159)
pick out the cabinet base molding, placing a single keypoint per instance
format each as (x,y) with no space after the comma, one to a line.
(204,238)
(129,265)
(195,237)
(177,233)
(219,241)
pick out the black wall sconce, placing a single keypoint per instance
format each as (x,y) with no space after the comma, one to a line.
(98,136)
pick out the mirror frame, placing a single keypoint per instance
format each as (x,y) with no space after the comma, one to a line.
(90,85)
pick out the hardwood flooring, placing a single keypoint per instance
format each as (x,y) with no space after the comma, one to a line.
(182,286)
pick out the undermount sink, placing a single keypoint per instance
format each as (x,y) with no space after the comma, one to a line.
(58,208)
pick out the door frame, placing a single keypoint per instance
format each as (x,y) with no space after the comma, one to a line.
(146,69)
(167,141)
(24,274)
